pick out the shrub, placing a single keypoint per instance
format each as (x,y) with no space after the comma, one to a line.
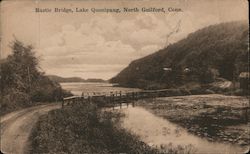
(84,129)
(208,91)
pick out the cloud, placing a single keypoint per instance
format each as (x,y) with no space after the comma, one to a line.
(106,40)
(149,49)
(86,70)
(103,42)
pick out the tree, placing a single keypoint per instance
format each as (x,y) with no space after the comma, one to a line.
(21,67)
(22,84)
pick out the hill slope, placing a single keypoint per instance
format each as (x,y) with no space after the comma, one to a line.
(215,51)
(61,79)
(73,79)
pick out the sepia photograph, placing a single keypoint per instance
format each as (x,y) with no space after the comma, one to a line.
(124,77)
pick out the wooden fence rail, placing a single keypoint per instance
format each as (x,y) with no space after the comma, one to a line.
(102,100)
(117,98)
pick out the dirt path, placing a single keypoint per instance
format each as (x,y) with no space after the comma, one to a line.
(16,127)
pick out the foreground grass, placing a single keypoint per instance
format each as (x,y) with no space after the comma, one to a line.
(84,129)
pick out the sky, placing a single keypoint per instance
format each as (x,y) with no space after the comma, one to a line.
(100,45)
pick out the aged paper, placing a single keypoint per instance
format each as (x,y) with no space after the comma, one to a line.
(125,76)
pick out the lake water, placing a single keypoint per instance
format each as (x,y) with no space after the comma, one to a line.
(154,130)
(89,88)
(159,132)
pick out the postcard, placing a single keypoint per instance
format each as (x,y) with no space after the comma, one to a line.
(124,76)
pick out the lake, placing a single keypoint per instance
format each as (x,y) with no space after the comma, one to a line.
(152,129)
(160,133)
(92,88)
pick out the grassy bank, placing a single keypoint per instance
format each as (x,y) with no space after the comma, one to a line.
(84,129)
(214,117)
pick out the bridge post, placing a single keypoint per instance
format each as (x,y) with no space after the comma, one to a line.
(113,101)
(127,99)
(62,102)
(119,99)
(245,113)
(127,102)
(82,98)
(133,99)
(120,95)
(88,99)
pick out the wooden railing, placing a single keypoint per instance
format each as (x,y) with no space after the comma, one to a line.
(118,98)
(104,100)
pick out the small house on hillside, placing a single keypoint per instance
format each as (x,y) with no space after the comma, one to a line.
(167,69)
(244,80)
(186,70)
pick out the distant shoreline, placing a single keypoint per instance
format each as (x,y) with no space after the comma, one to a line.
(74,79)
(84,82)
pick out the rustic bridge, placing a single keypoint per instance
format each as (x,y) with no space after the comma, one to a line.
(118,98)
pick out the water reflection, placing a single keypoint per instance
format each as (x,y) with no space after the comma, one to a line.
(168,137)
(89,88)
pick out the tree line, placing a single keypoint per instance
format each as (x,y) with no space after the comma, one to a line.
(22,81)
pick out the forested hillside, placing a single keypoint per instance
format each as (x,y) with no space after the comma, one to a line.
(22,82)
(72,79)
(62,79)
(203,56)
